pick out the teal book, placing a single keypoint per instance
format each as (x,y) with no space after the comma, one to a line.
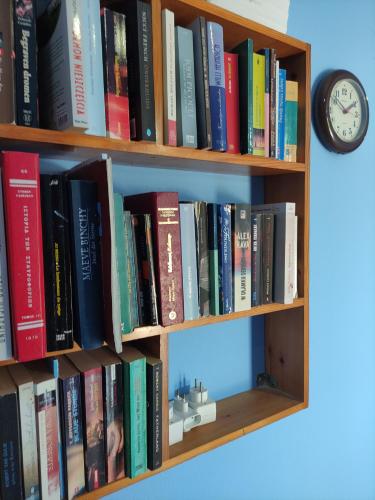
(135,411)
(132,270)
(245,74)
(122,267)
(213,253)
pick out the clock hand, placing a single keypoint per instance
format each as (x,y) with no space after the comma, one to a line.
(339,103)
(346,110)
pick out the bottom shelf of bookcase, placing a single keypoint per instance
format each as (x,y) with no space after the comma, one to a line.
(236,416)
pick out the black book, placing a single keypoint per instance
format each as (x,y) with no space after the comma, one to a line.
(154,385)
(201,232)
(273,84)
(202,91)
(267,257)
(10,440)
(57,265)
(148,312)
(26,77)
(256,259)
(140,70)
(86,264)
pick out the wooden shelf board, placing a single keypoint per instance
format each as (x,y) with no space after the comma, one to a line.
(74,146)
(236,416)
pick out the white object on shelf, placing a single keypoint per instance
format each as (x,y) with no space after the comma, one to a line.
(176,426)
(199,402)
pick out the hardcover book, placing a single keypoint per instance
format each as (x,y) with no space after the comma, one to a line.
(216,79)
(28,437)
(7,82)
(185,85)
(148,312)
(225,259)
(25,52)
(202,89)
(281,115)
(267,257)
(291,118)
(164,210)
(113,406)
(140,69)
(21,192)
(62,65)
(115,74)
(245,72)
(258,104)
(5,325)
(232,102)
(213,254)
(154,394)
(241,255)
(169,78)
(135,407)
(189,261)
(10,440)
(69,386)
(86,264)
(201,233)
(256,259)
(57,265)
(92,409)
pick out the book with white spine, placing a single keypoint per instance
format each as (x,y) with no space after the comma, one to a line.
(169,78)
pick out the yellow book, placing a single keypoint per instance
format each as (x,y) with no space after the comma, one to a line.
(259,81)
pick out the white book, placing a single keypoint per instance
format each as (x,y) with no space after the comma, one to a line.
(295,256)
(5,329)
(285,252)
(277,150)
(169,78)
(63,92)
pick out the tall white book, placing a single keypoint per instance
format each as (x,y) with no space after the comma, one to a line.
(5,329)
(169,78)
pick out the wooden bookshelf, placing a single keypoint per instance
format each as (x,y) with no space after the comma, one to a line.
(286,326)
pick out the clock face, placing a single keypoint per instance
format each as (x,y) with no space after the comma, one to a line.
(345,110)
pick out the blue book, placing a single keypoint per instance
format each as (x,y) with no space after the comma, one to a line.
(216,80)
(281,115)
(189,261)
(86,264)
(225,259)
(185,86)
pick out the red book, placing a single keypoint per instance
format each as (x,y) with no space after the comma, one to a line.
(25,253)
(232,102)
(165,220)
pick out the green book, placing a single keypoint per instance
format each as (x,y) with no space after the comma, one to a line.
(132,271)
(135,411)
(245,74)
(122,267)
(291,115)
(213,251)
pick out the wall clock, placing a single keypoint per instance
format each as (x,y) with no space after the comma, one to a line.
(341,111)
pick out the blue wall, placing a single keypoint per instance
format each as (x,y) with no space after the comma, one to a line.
(328,451)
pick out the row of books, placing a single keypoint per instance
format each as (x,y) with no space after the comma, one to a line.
(98,78)
(81,262)
(74,423)
(204,86)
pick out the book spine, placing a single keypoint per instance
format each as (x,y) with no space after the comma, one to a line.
(47,425)
(7,97)
(203,27)
(256,259)
(135,417)
(277,78)
(189,261)
(93,429)
(132,278)
(213,254)
(169,78)
(113,421)
(267,63)
(225,259)
(21,192)
(215,48)
(241,255)
(56,252)
(154,385)
(185,84)
(86,267)
(202,257)
(273,82)
(267,257)
(5,325)
(93,61)
(232,102)
(72,436)
(26,403)
(258,104)
(245,70)
(116,96)
(281,115)
(26,63)
(291,116)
